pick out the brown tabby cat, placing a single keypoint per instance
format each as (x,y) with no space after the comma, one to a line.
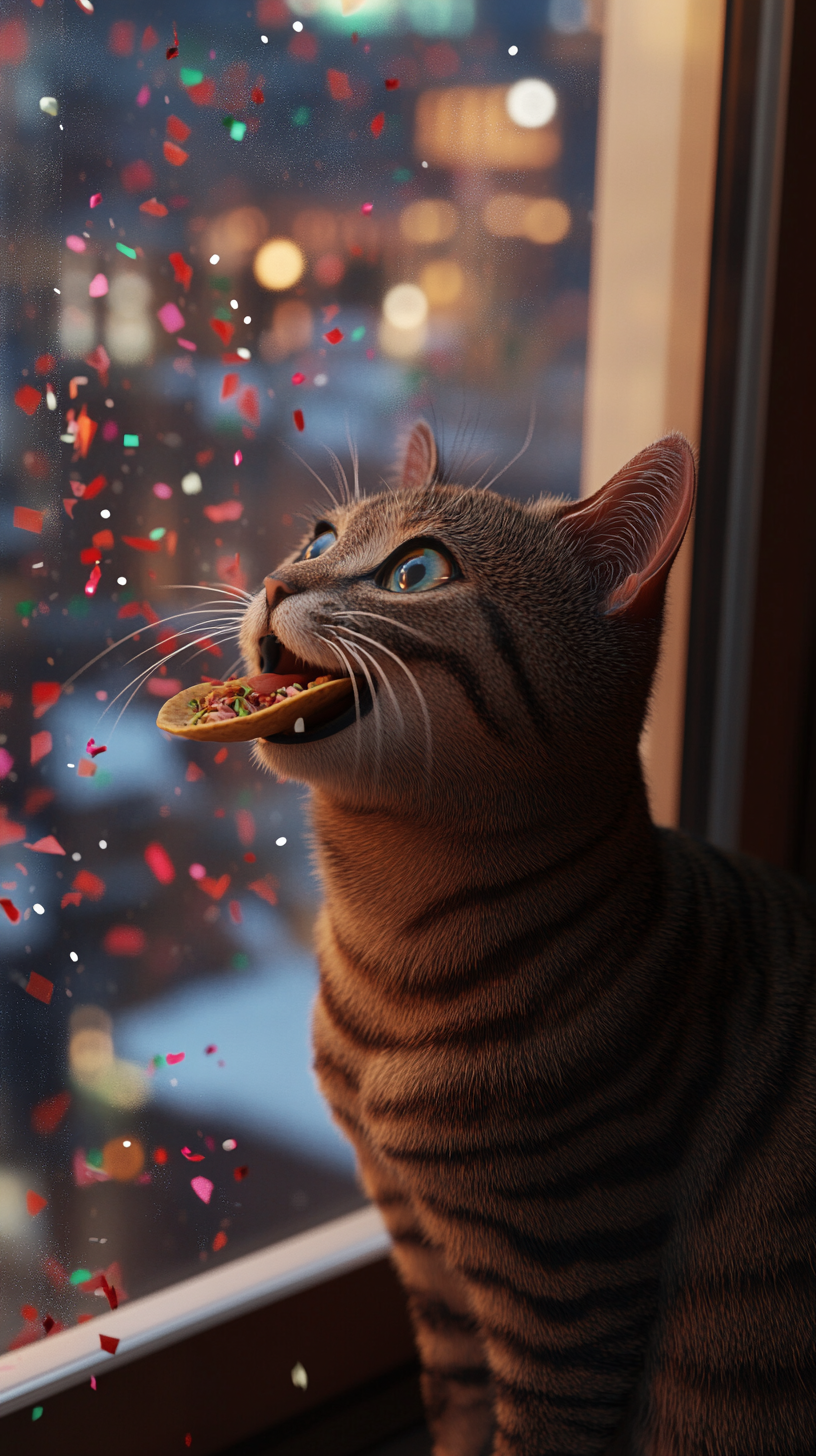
(575,1054)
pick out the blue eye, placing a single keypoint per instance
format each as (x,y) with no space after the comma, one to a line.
(321,543)
(420,569)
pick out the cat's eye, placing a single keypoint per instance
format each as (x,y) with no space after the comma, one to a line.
(420,568)
(325,538)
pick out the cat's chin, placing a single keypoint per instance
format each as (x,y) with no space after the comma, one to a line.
(337,724)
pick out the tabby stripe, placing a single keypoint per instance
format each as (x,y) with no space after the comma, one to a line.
(620,1352)
(477,895)
(596,1246)
(436,1314)
(325,1065)
(459,668)
(504,643)
(472,1375)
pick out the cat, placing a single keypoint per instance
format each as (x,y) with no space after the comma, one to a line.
(575,1054)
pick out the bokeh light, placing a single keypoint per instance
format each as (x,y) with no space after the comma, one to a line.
(279,264)
(442,282)
(405,306)
(428,221)
(531,103)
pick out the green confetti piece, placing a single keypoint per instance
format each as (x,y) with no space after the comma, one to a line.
(130,441)
(301,116)
(157,533)
(158,1061)
(128,252)
(222,313)
(94,1158)
(36,1412)
(24,609)
(79,1276)
(358,333)
(238,131)
(102,777)
(79,607)
(221,283)
(240,961)
(190,78)
(402,174)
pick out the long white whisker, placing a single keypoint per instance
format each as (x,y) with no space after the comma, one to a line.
(392,620)
(417,689)
(236,592)
(215,622)
(154,667)
(136,633)
(329,493)
(524,447)
(339,475)
(355,652)
(384,675)
(336,648)
(355,461)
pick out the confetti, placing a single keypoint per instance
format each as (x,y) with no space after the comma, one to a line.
(182,271)
(95,200)
(93,581)
(266,888)
(41,989)
(202,1187)
(223,329)
(47,1115)
(173,1058)
(124,940)
(93,1382)
(229,385)
(298,1374)
(94,748)
(36,1412)
(172,50)
(216,889)
(160,864)
(47,845)
(229,1145)
(153,207)
(377,123)
(76,244)
(98,286)
(10,909)
(96,485)
(258,96)
(86,768)
(26,519)
(176,156)
(338,84)
(192,1157)
(10,832)
(297,416)
(219,1241)
(163,687)
(141,543)
(41,745)
(191,483)
(89,884)
(230,510)
(235,912)
(208,1050)
(35,1203)
(333,337)
(391,83)
(367,207)
(109,1344)
(43,696)
(177,129)
(160,1156)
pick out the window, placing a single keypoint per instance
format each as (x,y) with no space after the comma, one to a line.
(229,247)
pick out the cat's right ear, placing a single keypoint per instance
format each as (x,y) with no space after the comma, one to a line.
(420,460)
(631,529)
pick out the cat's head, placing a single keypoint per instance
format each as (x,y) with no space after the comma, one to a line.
(502,653)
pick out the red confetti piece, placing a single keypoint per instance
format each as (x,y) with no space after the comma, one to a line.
(71,897)
(26,519)
(89,884)
(103,540)
(95,200)
(69,506)
(124,940)
(338,84)
(94,748)
(43,696)
(219,1241)
(173,50)
(11,909)
(36,799)
(176,156)
(194,773)
(153,208)
(90,555)
(334,336)
(163,687)
(239,1174)
(204,93)
(391,83)
(41,745)
(149,39)
(215,888)
(173,1058)
(93,581)
(231,510)
(160,864)
(138,175)
(94,487)
(208,1050)
(160,1156)
(107,1342)
(86,429)
(192,1157)
(248,405)
(377,123)
(100,361)
(141,543)
(49,1323)
(229,385)
(297,416)
(298,378)
(223,329)
(221,756)
(41,989)
(27,398)
(258,96)
(47,845)
(44,364)
(109,1292)
(235,912)
(177,129)
(48,1115)
(245,824)
(182,270)
(266,889)
(28,1312)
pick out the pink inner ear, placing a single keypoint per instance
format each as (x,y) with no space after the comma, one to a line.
(420,459)
(632,528)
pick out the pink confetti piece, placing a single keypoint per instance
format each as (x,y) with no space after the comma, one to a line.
(96,199)
(187,344)
(143,96)
(237,458)
(171,318)
(197,871)
(173,1057)
(208,1050)
(192,1157)
(298,378)
(93,581)
(163,491)
(367,207)
(160,864)
(47,845)
(202,1187)
(98,286)
(93,1382)
(94,748)
(76,244)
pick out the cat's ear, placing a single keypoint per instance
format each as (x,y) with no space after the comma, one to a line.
(420,460)
(631,529)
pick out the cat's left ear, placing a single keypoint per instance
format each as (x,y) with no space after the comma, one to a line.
(631,529)
(420,460)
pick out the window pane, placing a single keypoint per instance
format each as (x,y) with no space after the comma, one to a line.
(313,224)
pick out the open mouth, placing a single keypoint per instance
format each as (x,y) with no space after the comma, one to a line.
(287,670)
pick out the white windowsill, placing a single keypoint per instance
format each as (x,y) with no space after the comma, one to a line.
(143,1325)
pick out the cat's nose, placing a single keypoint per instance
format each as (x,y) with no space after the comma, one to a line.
(276,591)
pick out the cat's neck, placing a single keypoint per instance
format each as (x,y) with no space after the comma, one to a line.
(411,897)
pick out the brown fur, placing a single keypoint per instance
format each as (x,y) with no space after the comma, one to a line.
(575,1055)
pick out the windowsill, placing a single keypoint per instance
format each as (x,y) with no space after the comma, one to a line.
(160,1319)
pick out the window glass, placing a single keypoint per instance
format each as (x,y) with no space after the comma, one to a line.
(229,244)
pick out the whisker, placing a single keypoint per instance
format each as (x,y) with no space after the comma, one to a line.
(215,622)
(195,611)
(392,620)
(384,675)
(154,667)
(236,592)
(336,648)
(417,689)
(518,456)
(355,652)
(339,475)
(355,461)
(329,493)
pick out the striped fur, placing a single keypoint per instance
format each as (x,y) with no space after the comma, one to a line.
(575,1054)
